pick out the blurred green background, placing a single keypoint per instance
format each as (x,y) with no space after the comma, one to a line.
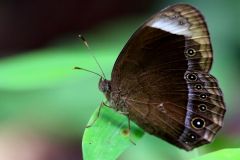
(45,104)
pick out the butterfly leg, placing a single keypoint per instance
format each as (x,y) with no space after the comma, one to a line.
(98,114)
(124,113)
(129,130)
(104,103)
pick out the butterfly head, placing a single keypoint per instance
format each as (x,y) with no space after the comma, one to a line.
(104,86)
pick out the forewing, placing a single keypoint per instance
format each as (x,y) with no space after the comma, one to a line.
(162,72)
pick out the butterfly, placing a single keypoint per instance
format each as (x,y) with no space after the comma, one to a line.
(161,79)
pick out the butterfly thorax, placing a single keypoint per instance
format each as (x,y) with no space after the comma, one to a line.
(115,98)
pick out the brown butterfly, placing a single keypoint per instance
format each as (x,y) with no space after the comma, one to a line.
(161,79)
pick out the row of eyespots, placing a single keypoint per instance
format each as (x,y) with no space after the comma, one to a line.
(193,77)
(190,52)
(196,122)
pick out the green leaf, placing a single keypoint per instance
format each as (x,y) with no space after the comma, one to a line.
(224,154)
(108,137)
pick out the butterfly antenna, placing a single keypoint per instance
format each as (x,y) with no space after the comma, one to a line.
(79,68)
(95,59)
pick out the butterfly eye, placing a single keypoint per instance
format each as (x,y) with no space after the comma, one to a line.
(191,77)
(198,86)
(198,123)
(202,107)
(190,52)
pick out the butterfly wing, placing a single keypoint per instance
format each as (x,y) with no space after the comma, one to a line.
(163,76)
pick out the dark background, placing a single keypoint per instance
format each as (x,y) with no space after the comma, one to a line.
(32,24)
